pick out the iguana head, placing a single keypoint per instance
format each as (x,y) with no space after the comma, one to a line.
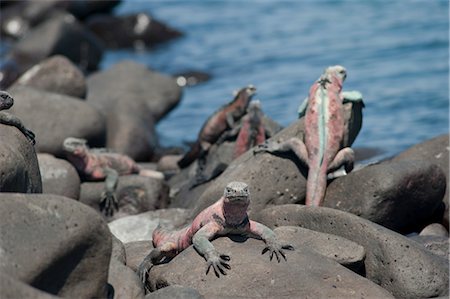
(237,192)
(336,70)
(244,95)
(74,145)
(6,101)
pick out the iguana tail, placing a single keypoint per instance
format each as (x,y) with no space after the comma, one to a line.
(315,187)
(190,156)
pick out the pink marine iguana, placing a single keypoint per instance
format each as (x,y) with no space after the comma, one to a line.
(99,164)
(216,124)
(227,216)
(6,101)
(252,131)
(322,149)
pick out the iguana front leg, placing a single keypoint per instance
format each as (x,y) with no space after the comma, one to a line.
(108,201)
(293,144)
(153,258)
(12,120)
(273,246)
(201,242)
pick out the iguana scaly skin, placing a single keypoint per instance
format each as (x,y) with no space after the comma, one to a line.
(99,164)
(216,124)
(227,216)
(252,130)
(6,101)
(322,149)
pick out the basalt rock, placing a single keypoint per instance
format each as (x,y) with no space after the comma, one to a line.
(131,31)
(61,34)
(22,16)
(56,74)
(85,8)
(434,151)
(175,292)
(54,117)
(264,278)
(133,82)
(125,281)
(345,252)
(396,263)
(13,288)
(19,166)
(400,195)
(55,244)
(58,177)
(131,129)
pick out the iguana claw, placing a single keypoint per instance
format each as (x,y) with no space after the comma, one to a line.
(108,203)
(276,249)
(219,263)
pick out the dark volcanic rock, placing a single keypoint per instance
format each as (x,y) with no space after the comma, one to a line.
(136,194)
(131,129)
(54,244)
(18,163)
(13,288)
(434,229)
(131,31)
(400,195)
(252,275)
(118,251)
(393,261)
(58,177)
(19,18)
(54,117)
(61,34)
(434,151)
(435,244)
(133,82)
(343,251)
(85,8)
(175,292)
(125,281)
(56,74)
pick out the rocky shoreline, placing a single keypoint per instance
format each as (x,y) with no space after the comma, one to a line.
(382,231)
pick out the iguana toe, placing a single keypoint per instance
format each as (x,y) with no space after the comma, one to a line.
(219,264)
(108,203)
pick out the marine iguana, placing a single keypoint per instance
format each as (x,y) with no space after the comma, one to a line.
(249,133)
(6,101)
(252,131)
(227,216)
(322,149)
(216,124)
(100,164)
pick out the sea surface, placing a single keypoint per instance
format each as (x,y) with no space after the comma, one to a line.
(396,54)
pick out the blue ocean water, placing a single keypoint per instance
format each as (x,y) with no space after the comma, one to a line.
(396,53)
